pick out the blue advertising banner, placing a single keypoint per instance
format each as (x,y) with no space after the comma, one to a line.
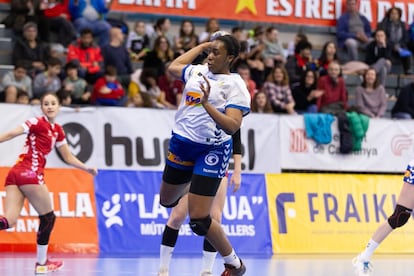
(131,221)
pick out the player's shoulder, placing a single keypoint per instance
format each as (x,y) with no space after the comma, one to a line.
(33,121)
(195,70)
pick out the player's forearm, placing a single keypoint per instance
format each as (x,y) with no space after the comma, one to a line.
(237,163)
(229,124)
(180,62)
(11,134)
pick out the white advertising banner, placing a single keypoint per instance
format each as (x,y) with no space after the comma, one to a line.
(387,147)
(135,139)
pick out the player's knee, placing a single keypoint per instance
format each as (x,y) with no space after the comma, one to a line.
(216,214)
(165,202)
(400,216)
(47,222)
(200,226)
(176,219)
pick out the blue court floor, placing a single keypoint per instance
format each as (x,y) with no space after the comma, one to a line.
(18,264)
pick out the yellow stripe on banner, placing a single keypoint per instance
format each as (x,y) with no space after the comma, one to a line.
(333,213)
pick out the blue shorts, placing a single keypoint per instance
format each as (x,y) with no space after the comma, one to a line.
(207,160)
(409,174)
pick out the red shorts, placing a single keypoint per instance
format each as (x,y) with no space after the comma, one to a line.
(22,176)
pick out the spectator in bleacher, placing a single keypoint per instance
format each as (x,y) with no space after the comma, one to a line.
(23,97)
(297,64)
(24,11)
(64,97)
(58,21)
(291,50)
(138,42)
(256,64)
(107,90)
(244,71)
(278,91)
(353,30)
(172,87)
(273,52)
(187,37)
(260,103)
(378,55)
(135,97)
(87,56)
(212,26)
(370,96)
(238,34)
(162,28)
(334,98)
(159,55)
(78,87)
(31,50)
(149,88)
(115,54)
(90,14)
(305,94)
(15,81)
(48,81)
(256,37)
(328,54)
(397,37)
(404,106)
(410,43)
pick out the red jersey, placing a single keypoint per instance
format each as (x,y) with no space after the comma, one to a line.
(42,136)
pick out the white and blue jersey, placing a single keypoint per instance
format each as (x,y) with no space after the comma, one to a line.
(191,119)
(198,143)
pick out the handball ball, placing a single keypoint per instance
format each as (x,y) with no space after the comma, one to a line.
(217,34)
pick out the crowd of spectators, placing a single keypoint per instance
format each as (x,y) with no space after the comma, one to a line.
(70,48)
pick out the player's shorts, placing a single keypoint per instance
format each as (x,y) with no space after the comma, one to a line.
(206,160)
(22,176)
(409,173)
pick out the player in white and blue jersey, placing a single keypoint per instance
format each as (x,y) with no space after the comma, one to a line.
(211,110)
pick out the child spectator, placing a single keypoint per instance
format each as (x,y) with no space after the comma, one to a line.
(64,97)
(261,103)
(23,97)
(79,88)
(107,90)
(15,81)
(138,42)
(48,81)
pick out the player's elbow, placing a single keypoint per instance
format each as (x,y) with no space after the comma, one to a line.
(231,129)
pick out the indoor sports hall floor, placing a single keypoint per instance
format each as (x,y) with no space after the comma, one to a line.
(19,264)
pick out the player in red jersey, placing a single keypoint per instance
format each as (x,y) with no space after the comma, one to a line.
(25,179)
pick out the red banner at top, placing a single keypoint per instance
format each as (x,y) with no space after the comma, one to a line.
(300,12)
